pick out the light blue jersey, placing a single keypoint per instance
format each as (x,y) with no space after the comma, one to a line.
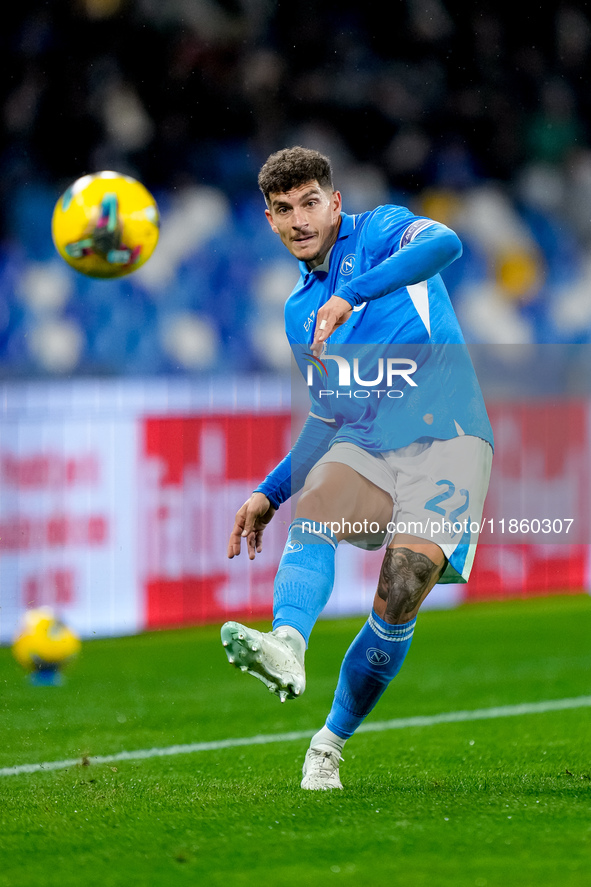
(398,370)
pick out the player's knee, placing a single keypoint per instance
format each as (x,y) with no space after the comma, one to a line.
(318,507)
(313,504)
(405,578)
(312,500)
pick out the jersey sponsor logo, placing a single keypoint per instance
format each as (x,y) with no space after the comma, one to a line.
(309,321)
(348,264)
(360,307)
(293,547)
(377,657)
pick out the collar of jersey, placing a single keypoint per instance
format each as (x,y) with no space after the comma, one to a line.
(346,229)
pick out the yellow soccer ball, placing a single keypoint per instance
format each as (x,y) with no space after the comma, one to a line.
(106,225)
(44,642)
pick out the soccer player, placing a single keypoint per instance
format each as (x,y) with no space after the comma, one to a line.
(396,450)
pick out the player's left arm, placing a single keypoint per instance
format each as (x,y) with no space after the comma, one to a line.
(286,479)
(425,255)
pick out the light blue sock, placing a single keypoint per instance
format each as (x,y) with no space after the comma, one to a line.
(305,576)
(373,659)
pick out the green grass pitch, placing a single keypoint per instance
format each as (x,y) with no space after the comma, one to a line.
(493,803)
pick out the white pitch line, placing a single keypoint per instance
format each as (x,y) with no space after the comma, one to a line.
(450,717)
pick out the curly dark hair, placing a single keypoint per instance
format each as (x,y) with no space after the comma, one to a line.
(291,167)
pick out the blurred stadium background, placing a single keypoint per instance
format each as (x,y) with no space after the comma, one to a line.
(128,405)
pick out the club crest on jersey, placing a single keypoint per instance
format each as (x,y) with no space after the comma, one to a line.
(377,657)
(347,265)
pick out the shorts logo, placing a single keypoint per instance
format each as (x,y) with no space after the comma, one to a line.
(377,657)
(292,547)
(348,264)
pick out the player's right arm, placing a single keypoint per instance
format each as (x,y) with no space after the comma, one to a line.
(425,249)
(421,254)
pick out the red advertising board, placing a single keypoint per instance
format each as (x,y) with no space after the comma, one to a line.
(196,472)
(540,484)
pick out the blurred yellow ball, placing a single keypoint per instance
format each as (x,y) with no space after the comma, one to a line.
(44,641)
(105,225)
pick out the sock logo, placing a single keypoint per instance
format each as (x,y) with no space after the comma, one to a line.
(292,547)
(377,657)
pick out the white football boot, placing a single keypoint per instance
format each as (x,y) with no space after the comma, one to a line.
(276,658)
(321,770)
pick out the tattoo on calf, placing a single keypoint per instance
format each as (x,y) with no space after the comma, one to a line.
(404,577)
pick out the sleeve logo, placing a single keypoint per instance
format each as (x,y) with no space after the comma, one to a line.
(293,547)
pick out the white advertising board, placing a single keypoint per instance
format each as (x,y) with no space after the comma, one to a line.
(68,522)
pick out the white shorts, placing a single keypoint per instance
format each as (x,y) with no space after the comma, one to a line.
(438,489)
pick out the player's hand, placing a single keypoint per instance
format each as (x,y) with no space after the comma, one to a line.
(249,524)
(332,314)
